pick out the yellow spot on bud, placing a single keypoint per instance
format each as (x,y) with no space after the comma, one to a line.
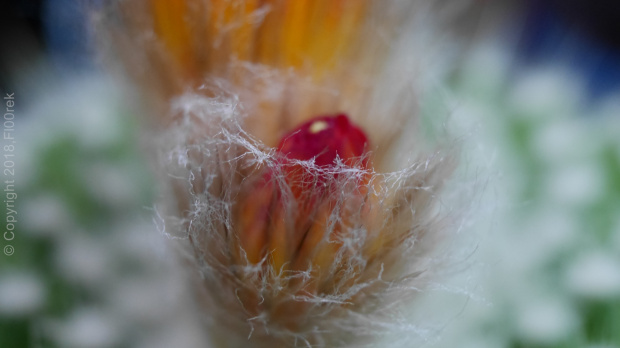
(318,126)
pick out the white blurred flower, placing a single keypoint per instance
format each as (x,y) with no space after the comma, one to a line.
(110,185)
(21,294)
(545,92)
(595,275)
(46,214)
(546,321)
(180,332)
(558,142)
(83,260)
(87,328)
(576,185)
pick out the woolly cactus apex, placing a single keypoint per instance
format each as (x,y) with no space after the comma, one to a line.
(304,228)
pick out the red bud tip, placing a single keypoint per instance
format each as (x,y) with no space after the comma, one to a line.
(323,138)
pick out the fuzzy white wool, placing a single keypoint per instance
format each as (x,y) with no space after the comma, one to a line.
(211,161)
(216,117)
